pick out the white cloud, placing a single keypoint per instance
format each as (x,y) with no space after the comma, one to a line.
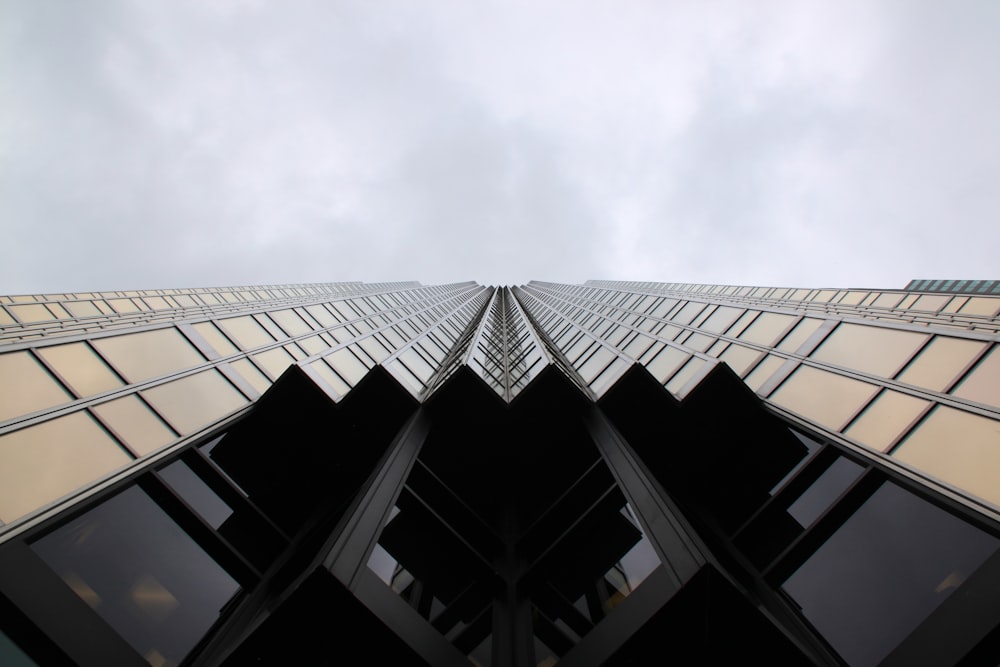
(186,143)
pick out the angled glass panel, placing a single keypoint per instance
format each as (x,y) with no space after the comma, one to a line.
(25,386)
(982,384)
(141,573)
(885,419)
(939,363)
(246,331)
(132,420)
(148,354)
(195,401)
(884,571)
(869,349)
(215,338)
(823,397)
(44,462)
(970,462)
(86,373)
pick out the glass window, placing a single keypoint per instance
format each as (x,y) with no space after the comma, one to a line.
(884,571)
(766,328)
(347,365)
(932,302)
(213,509)
(246,331)
(86,373)
(597,363)
(82,308)
(793,341)
(682,376)
(688,312)
(290,321)
(374,349)
(25,386)
(313,345)
(981,305)
(970,462)
(826,398)
(42,463)
(251,374)
(135,422)
(940,362)
(323,369)
(699,342)
(885,419)
(123,305)
(148,354)
(720,320)
(824,491)
(274,362)
(141,573)
(763,372)
(982,384)
(740,358)
(215,338)
(35,312)
(194,401)
(666,362)
(869,349)
(888,300)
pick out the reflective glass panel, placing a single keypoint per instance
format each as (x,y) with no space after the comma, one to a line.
(763,372)
(148,354)
(884,571)
(251,374)
(82,308)
(884,420)
(25,386)
(823,397)
(274,361)
(799,334)
(940,362)
(132,420)
(766,328)
(194,401)
(824,491)
(683,375)
(981,305)
(347,365)
(246,331)
(215,338)
(141,573)
(213,509)
(85,372)
(740,358)
(290,321)
(35,312)
(970,462)
(720,320)
(324,371)
(869,349)
(982,384)
(666,362)
(41,463)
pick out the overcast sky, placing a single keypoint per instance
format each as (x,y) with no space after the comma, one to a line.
(191,143)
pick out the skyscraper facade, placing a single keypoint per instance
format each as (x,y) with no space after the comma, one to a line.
(584,474)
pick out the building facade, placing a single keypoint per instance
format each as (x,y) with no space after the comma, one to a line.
(607,473)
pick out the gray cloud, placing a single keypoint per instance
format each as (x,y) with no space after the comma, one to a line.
(185,143)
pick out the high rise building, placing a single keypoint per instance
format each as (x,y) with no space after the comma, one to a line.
(613,473)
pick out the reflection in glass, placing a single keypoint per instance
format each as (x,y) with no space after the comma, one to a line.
(85,372)
(887,568)
(141,573)
(195,401)
(148,354)
(869,349)
(940,362)
(132,420)
(25,386)
(826,398)
(41,463)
